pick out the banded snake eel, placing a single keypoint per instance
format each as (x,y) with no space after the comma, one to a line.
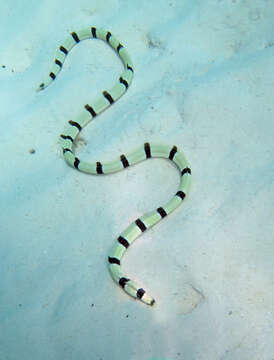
(148,150)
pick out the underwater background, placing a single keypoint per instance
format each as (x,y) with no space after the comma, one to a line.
(203,80)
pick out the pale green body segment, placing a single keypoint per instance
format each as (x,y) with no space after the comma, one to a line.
(146,151)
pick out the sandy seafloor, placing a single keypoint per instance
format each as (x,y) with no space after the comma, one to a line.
(204,80)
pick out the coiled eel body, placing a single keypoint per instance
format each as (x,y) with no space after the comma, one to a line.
(146,151)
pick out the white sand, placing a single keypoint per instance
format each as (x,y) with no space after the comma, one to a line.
(204,80)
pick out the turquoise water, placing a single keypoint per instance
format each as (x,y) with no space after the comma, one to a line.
(203,81)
